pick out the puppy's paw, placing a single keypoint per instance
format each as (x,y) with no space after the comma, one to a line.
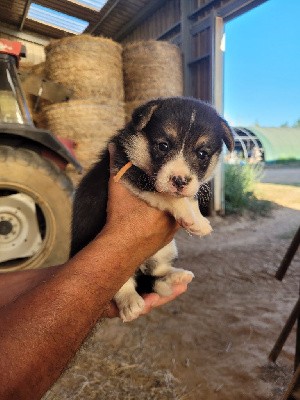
(200,227)
(164,285)
(179,275)
(130,306)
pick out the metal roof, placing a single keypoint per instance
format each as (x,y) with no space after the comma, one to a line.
(112,18)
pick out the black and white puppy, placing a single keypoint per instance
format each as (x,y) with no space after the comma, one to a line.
(173,145)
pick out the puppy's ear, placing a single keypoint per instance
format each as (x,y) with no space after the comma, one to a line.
(142,115)
(228,136)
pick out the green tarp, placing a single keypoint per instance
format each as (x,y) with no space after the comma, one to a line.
(279,143)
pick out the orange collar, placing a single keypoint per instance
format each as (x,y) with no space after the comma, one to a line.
(122,171)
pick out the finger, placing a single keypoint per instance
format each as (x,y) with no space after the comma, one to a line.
(153,300)
(177,291)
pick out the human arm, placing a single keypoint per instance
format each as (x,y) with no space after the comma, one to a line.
(41,330)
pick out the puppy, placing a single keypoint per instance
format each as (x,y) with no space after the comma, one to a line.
(173,146)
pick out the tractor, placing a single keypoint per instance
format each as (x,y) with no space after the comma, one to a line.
(35,190)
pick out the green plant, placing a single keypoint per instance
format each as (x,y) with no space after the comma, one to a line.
(239,190)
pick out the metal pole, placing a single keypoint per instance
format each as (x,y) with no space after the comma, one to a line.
(289,255)
(25,13)
(285,332)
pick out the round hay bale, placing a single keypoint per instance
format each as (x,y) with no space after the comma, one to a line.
(40,120)
(90,66)
(78,119)
(87,151)
(152,69)
(38,69)
(130,106)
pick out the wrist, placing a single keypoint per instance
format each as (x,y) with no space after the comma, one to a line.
(107,262)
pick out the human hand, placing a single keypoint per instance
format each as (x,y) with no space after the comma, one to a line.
(152,300)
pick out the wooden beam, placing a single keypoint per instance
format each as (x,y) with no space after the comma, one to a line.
(25,13)
(186,45)
(145,12)
(172,29)
(237,7)
(203,8)
(29,37)
(91,29)
(284,334)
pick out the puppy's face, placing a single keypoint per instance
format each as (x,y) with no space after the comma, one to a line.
(177,142)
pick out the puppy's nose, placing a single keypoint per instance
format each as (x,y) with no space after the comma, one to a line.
(179,181)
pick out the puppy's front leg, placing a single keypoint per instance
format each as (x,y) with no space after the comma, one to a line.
(199,225)
(184,209)
(129,302)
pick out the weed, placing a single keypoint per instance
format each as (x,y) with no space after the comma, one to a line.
(239,190)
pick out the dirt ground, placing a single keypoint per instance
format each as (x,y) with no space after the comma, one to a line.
(213,342)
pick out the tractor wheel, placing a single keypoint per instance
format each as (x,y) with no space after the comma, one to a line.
(35,211)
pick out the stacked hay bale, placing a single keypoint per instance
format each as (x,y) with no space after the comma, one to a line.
(151,69)
(90,123)
(35,104)
(92,68)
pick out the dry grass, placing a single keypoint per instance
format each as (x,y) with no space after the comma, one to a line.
(283,195)
(211,343)
(120,374)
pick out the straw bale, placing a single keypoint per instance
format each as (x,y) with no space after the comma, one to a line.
(40,120)
(130,106)
(152,69)
(38,69)
(90,66)
(77,119)
(87,151)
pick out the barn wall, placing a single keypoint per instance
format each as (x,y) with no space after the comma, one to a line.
(167,23)
(158,23)
(34,44)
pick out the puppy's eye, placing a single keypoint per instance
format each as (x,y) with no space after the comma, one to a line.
(203,155)
(163,146)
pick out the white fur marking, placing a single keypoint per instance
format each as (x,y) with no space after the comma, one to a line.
(192,119)
(138,152)
(176,167)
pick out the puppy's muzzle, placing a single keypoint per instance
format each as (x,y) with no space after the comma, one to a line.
(179,182)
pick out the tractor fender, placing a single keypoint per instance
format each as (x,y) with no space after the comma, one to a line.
(42,138)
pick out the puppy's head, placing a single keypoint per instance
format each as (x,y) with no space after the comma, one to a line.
(177,142)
